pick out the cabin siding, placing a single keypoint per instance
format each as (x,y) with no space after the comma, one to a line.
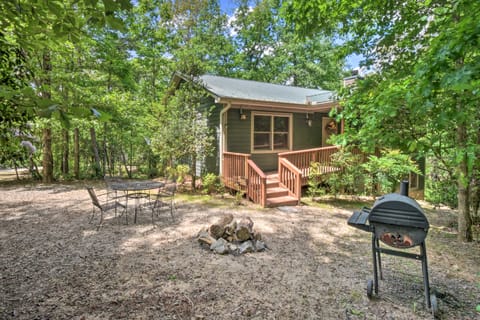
(305,137)
(238,131)
(211,162)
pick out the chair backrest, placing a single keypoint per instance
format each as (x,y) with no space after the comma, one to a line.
(170,188)
(94,197)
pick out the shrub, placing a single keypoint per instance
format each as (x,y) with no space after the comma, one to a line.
(315,180)
(385,172)
(440,186)
(178,174)
(350,178)
(212,184)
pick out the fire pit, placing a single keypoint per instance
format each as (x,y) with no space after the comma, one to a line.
(399,222)
(229,236)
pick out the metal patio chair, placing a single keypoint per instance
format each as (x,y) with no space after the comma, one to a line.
(112,193)
(164,199)
(103,207)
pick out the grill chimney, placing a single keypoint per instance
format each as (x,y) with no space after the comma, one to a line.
(404,188)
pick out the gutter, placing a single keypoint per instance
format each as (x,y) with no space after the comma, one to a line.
(222,135)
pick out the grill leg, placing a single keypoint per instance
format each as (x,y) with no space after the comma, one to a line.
(426,284)
(375,266)
(379,259)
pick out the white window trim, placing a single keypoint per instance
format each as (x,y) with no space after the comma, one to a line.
(271,114)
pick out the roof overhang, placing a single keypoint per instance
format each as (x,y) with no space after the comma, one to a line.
(277,106)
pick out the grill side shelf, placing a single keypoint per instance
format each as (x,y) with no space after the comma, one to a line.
(359,219)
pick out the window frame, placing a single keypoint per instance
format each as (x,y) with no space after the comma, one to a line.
(272,116)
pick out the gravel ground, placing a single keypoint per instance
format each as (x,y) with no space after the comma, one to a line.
(55,265)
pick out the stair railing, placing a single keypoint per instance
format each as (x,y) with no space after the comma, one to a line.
(257,184)
(290,177)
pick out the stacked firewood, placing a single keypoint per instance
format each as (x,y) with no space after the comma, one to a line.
(228,235)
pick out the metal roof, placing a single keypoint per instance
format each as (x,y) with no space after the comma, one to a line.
(223,87)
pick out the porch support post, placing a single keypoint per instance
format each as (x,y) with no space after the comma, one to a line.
(222,141)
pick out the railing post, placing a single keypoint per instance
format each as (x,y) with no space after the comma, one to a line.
(299,188)
(245,160)
(263,186)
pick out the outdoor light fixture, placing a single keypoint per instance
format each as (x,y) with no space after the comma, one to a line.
(243,116)
(308,121)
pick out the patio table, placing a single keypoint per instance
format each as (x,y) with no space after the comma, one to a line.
(136,190)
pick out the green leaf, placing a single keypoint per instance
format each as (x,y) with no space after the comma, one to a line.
(412,146)
(56,7)
(115,23)
(109,6)
(47,109)
(102,116)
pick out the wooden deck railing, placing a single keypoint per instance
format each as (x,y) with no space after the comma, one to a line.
(290,177)
(257,184)
(235,170)
(302,159)
(242,174)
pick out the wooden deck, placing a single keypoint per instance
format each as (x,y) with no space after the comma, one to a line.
(279,188)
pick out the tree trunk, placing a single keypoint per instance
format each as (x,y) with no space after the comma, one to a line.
(34,169)
(125,164)
(475,187)
(463,177)
(111,160)
(76,153)
(104,150)
(193,170)
(464,218)
(66,152)
(16,170)
(47,161)
(93,137)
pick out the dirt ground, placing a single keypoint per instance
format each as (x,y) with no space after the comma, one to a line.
(55,265)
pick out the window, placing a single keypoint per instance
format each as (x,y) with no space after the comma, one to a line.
(271,132)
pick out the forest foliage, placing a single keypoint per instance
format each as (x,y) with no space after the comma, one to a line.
(85,82)
(423,97)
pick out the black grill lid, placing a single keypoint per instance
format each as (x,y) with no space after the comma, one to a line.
(399,210)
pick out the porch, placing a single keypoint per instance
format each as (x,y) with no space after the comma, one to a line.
(280,188)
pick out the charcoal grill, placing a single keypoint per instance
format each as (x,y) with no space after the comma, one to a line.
(399,222)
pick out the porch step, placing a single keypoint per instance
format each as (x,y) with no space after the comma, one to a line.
(274,192)
(278,196)
(281,201)
(272,180)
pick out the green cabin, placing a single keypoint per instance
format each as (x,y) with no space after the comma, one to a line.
(264,119)
(267,135)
